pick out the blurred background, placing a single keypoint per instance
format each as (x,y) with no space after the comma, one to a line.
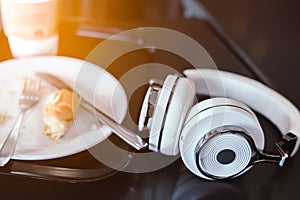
(266,31)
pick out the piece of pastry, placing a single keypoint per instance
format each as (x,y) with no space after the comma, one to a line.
(59,112)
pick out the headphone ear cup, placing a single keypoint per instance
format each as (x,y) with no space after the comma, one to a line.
(159,109)
(182,99)
(204,119)
(174,100)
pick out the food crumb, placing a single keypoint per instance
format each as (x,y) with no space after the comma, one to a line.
(11,92)
(3,117)
(93,127)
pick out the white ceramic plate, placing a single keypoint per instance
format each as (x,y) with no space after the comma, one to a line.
(89,80)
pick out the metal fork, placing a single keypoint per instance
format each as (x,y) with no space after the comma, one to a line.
(29,97)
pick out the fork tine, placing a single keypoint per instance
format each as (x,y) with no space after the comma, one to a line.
(30,91)
(34,85)
(24,84)
(31,86)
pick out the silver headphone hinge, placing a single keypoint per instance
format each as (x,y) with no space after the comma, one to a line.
(286,146)
(283,155)
(263,157)
(154,89)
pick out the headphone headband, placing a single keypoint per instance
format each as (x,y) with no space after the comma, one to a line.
(272,105)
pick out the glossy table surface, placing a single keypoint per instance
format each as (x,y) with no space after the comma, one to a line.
(268,34)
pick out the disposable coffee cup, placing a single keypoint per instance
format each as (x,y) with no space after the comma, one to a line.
(30,26)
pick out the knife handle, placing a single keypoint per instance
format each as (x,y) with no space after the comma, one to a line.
(125,134)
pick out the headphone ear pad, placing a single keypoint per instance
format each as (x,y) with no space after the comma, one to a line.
(204,119)
(182,99)
(174,100)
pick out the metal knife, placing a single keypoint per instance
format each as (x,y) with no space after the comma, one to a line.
(125,134)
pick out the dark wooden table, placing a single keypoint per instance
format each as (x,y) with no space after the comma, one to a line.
(267,33)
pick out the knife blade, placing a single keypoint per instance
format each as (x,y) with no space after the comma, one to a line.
(125,134)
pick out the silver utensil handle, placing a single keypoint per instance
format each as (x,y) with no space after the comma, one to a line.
(9,145)
(128,136)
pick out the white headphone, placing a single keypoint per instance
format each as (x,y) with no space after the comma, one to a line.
(218,138)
